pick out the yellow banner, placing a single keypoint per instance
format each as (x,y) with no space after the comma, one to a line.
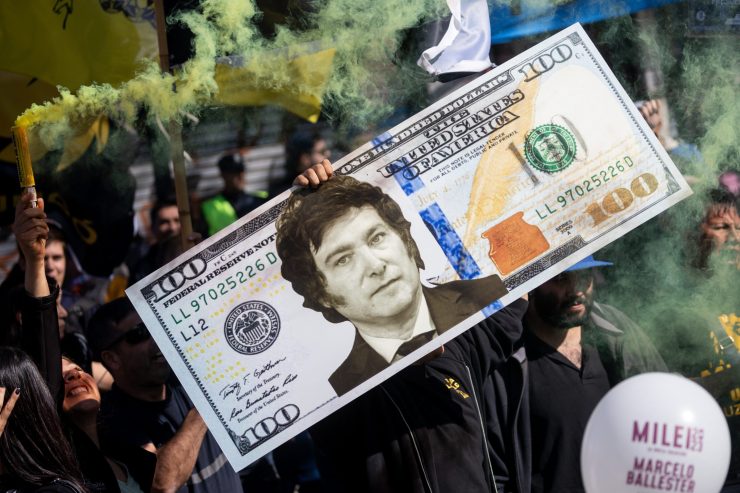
(71,43)
(23,91)
(309,74)
(48,43)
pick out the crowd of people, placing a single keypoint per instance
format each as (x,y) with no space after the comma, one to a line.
(89,403)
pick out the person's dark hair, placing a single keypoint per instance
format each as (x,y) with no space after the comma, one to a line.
(33,447)
(305,219)
(300,143)
(232,163)
(158,206)
(102,329)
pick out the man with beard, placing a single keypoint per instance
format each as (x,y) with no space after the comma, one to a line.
(577,349)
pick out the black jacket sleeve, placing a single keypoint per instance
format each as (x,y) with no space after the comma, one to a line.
(489,349)
(491,342)
(40,337)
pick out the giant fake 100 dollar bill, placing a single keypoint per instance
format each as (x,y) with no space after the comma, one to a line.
(485,195)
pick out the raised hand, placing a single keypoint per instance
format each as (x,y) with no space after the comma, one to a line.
(30,228)
(31,232)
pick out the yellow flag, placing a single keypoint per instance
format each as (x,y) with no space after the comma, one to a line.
(308,75)
(77,145)
(22,91)
(72,42)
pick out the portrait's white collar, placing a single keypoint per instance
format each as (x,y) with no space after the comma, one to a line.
(387,347)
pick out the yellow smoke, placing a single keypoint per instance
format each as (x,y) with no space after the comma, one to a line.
(364,36)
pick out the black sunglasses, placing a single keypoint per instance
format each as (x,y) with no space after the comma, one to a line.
(134,336)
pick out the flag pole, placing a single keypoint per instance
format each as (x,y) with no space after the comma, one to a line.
(175,131)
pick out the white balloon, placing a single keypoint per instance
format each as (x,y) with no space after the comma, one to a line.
(656,432)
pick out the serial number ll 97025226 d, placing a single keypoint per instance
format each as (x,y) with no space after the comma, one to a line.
(221,289)
(231,282)
(585,187)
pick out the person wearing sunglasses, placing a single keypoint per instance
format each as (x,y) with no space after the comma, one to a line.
(577,349)
(144,410)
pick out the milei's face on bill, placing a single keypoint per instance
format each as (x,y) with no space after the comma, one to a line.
(370,276)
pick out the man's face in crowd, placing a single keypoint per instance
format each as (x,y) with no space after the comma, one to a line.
(234,180)
(55,262)
(723,230)
(370,276)
(565,301)
(168,223)
(139,360)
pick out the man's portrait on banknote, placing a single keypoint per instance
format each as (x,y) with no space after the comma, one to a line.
(347,249)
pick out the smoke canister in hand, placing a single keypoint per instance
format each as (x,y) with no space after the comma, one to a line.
(23,160)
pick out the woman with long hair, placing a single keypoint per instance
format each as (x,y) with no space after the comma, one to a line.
(34,453)
(74,391)
(73,394)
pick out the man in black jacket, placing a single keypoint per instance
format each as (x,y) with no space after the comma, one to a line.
(456,422)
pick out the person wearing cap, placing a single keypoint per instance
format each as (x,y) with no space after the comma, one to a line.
(577,350)
(233,202)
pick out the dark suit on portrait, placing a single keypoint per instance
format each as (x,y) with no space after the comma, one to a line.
(449,304)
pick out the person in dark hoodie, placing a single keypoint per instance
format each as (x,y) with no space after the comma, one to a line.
(455,422)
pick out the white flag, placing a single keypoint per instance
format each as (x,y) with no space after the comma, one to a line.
(465,45)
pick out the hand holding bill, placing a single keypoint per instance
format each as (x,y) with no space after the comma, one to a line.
(315,175)
(650,111)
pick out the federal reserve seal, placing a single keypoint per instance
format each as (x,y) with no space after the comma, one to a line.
(550,148)
(252,327)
